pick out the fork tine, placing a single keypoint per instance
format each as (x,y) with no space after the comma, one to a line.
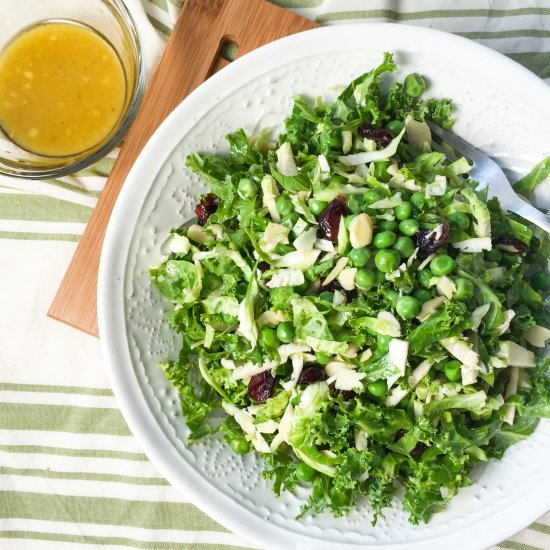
(456,143)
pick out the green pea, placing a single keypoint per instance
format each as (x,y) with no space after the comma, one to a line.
(327,296)
(268,337)
(385,239)
(458,220)
(422,295)
(387,260)
(464,289)
(383,342)
(418,200)
(285,332)
(316,207)
(258,224)
(452,370)
(424,277)
(494,255)
(305,473)
(284,205)
(414,85)
(408,307)
(356,203)
(378,388)
(540,281)
(395,126)
(387,225)
(322,358)
(240,445)
(381,170)
(403,211)
(392,296)
(442,265)
(348,220)
(283,249)
(247,188)
(359,256)
(405,246)
(364,278)
(379,277)
(409,227)
(373,195)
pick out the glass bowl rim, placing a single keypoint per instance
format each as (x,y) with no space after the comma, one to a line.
(126,20)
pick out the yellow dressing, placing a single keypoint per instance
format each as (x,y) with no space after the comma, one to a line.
(62,89)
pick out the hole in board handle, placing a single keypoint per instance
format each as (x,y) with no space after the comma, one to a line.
(228,49)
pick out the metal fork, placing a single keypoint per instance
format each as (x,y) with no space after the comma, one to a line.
(488,173)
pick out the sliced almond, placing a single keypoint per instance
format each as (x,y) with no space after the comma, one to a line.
(340,264)
(347,278)
(198,234)
(360,231)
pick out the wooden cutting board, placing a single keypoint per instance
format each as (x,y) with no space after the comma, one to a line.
(193,54)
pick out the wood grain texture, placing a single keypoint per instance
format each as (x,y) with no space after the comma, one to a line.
(191,56)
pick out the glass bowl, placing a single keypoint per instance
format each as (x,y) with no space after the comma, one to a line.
(110,19)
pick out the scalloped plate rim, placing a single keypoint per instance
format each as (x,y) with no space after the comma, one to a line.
(112,322)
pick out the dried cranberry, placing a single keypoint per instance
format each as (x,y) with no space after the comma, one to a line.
(418,450)
(311,374)
(206,207)
(263,266)
(346,394)
(261,386)
(331,287)
(329,218)
(509,244)
(398,435)
(430,240)
(379,135)
(335,285)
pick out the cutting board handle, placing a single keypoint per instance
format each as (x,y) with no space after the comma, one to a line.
(191,56)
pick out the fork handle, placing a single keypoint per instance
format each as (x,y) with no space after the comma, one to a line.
(530,213)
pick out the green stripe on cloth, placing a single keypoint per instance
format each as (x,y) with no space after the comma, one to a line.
(62,451)
(85,476)
(120,541)
(105,511)
(290,4)
(46,388)
(512,545)
(71,187)
(537,62)
(162,4)
(20,236)
(515,33)
(101,168)
(15,206)
(394,15)
(540,527)
(161,27)
(61,418)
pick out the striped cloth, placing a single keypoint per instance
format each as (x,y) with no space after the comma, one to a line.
(70,470)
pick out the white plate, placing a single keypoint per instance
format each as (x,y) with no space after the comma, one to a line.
(501,107)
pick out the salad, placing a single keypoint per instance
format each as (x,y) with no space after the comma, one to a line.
(359,310)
